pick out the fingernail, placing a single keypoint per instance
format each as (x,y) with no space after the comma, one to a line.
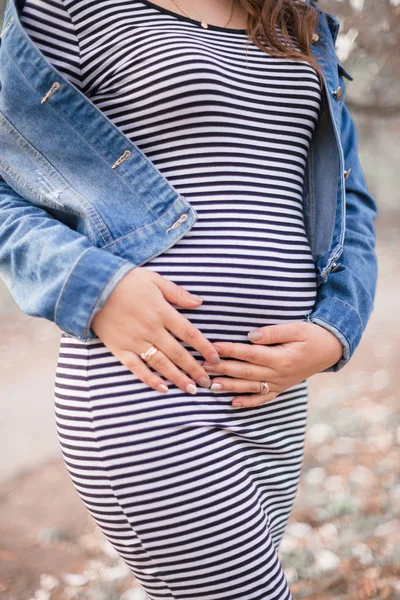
(214,359)
(254,335)
(162,388)
(237,404)
(215,387)
(205,382)
(191,388)
(207,367)
(196,298)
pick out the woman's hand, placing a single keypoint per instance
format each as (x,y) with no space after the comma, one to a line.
(303,349)
(138,314)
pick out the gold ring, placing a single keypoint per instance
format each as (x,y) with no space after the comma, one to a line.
(150,352)
(264,387)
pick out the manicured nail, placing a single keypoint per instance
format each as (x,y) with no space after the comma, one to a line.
(162,388)
(207,367)
(197,298)
(215,359)
(205,382)
(254,335)
(215,387)
(191,388)
(237,404)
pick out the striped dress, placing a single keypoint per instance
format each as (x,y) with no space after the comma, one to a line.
(192,493)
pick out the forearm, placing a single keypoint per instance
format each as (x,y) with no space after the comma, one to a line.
(51,270)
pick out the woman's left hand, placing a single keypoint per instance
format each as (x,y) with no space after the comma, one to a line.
(303,349)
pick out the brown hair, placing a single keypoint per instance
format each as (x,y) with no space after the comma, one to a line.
(277,22)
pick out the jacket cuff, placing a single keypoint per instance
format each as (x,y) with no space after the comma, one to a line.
(90,283)
(343,321)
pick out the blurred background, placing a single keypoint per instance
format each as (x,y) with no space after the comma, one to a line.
(343,537)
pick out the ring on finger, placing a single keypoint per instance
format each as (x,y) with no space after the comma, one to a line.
(264,387)
(149,353)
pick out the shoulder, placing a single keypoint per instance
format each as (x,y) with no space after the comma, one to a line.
(52,8)
(50,27)
(42,15)
(328,28)
(326,19)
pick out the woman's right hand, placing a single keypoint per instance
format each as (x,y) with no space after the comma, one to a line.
(138,314)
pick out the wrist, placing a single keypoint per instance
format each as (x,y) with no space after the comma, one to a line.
(336,348)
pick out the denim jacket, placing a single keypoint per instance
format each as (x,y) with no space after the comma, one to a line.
(81,205)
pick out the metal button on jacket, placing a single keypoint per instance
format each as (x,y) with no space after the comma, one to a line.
(338,93)
(335,266)
(315,37)
(347,173)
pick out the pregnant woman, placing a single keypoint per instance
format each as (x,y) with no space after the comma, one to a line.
(193,479)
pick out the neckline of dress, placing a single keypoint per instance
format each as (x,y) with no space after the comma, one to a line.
(172,13)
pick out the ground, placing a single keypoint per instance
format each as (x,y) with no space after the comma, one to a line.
(343,537)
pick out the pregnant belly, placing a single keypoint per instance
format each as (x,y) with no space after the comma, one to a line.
(245,282)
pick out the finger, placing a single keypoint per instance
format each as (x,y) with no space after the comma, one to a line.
(280,333)
(163,365)
(246,352)
(138,368)
(176,293)
(241,370)
(253,400)
(181,357)
(238,386)
(187,332)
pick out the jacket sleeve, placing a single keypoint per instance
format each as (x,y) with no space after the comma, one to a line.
(345,301)
(51,270)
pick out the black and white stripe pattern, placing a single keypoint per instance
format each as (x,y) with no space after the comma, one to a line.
(194,494)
